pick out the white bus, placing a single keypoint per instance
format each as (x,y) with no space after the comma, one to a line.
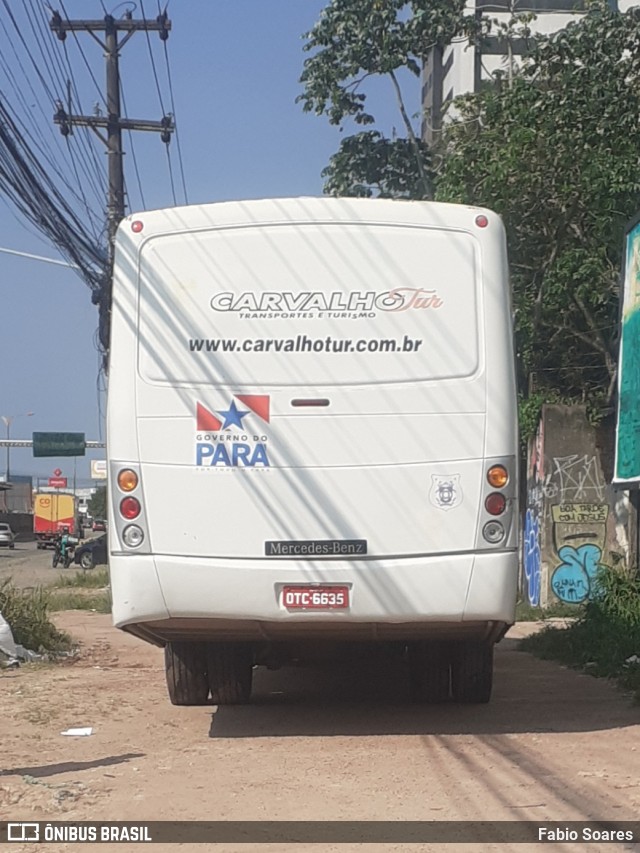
(312,439)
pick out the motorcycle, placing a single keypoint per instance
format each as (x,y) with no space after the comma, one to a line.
(67,558)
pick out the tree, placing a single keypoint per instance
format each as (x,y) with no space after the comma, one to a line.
(98,503)
(369,164)
(557,154)
(353,42)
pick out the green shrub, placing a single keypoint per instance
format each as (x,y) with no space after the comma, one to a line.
(27,612)
(604,637)
(93,579)
(98,601)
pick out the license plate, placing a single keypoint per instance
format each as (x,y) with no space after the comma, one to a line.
(315,597)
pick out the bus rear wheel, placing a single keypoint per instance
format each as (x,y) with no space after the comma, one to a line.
(472,673)
(230,672)
(186,671)
(429,672)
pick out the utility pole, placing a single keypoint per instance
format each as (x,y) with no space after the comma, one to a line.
(109,128)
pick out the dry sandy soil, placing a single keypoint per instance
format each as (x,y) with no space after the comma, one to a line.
(314,745)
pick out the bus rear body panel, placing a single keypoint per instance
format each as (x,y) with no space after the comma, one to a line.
(311,394)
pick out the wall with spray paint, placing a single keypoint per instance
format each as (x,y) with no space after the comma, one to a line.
(574,521)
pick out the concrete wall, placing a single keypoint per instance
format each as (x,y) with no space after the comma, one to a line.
(21,523)
(574,521)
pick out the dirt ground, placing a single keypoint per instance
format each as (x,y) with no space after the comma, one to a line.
(27,566)
(314,745)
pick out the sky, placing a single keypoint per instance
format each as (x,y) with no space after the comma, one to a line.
(234,69)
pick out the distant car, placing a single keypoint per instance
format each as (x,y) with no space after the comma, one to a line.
(7,536)
(92,553)
(99,524)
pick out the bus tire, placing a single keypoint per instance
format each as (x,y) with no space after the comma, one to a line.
(472,673)
(430,672)
(230,672)
(186,671)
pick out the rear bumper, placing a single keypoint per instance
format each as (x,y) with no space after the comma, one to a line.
(458,597)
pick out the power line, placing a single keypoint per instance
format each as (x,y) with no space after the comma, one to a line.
(86,135)
(82,54)
(173,112)
(33,193)
(47,62)
(133,152)
(33,62)
(173,186)
(153,64)
(109,127)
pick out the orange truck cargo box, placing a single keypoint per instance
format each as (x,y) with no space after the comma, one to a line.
(52,512)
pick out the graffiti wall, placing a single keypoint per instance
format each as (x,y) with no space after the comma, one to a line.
(574,521)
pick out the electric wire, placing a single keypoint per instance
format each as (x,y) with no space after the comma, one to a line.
(29,54)
(17,89)
(85,203)
(31,190)
(25,75)
(46,149)
(97,176)
(173,187)
(84,58)
(175,121)
(155,74)
(89,136)
(133,152)
(44,152)
(153,64)
(51,61)
(39,192)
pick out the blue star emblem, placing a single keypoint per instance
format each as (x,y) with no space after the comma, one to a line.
(233,417)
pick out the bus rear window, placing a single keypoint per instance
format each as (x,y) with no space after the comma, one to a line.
(309,304)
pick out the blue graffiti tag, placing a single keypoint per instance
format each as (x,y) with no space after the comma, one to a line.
(574,579)
(532,556)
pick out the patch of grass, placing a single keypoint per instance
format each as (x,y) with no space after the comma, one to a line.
(527,613)
(605,636)
(92,579)
(81,600)
(27,612)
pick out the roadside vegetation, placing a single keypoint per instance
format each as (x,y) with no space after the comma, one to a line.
(564,203)
(527,613)
(605,639)
(99,601)
(28,611)
(81,591)
(94,579)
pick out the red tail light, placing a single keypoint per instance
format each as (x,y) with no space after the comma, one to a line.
(495,503)
(129,508)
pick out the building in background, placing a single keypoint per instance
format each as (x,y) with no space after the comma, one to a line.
(461,68)
(17,496)
(84,496)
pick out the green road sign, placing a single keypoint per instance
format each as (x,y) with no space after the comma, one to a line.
(58,444)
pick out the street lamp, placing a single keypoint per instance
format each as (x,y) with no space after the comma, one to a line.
(7,420)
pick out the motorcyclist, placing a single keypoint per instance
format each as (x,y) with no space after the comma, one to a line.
(64,542)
